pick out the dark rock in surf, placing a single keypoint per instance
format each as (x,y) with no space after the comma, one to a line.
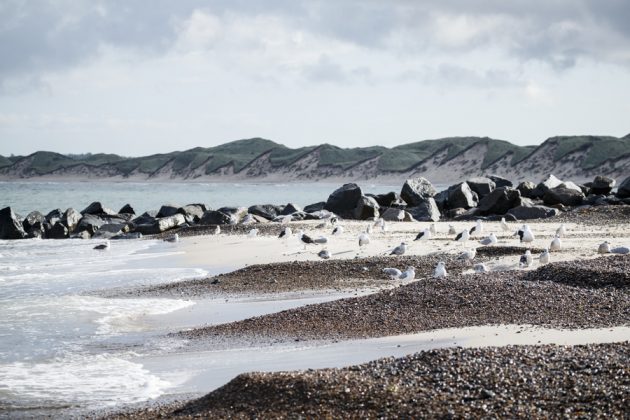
(344,200)
(426,211)
(499,201)
(11,225)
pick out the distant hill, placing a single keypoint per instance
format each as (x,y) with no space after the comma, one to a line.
(257,159)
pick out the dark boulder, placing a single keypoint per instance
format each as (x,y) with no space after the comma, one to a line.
(460,195)
(236,213)
(344,200)
(311,208)
(193,212)
(396,215)
(131,235)
(481,185)
(11,225)
(290,208)
(57,231)
(596,200)
(499,201)
(427,211)
(215,217)
(71,219)
(81,235)
(533,212)
(527,188)
(161,224)
(500,181)
(623,191)
(564,196)
(441,199)
(127,209)
(146,217)
(168,210)
(34,220)
(54,216)
(367,208)
(111,229)
(547,184)
(97,209)
(268,211)
(415,190)
(90,223)
(390,199)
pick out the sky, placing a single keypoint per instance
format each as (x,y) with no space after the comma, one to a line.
(139,77)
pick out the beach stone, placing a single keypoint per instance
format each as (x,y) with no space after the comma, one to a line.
(460,195)
(127,209)
(564,196)
(161,224)
(396,215)
(236,213)
(623,191)
(97,208)
(290,208)
(499,201)
(33,220)
(548,183)
(81,235)
(500,181)
(481,185)
(57,231)
(415,190)
(168,210)
(193,211)
(145,218)
(441,199)
(427,211)
(11,225)
(90,223)
(596,200)
(456,212)
(344,200)
(367,208)
(311,208)
(533,212)
(268,211)
(527,189)
(71,218)
(130,235)
(215,217)
(54,216)
(390,199)
(111,229)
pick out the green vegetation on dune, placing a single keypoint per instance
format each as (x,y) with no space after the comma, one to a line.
(598,148)
(44,162)
(5,161)
(335,156)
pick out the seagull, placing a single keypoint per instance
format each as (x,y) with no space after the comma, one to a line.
(103,247)
(393,273)
(368,229)
(172,238)
(364,239)
(480,268)
(425,235)
(504,224)
(286,219)
(451,230)
(525,234)
(604,248)
(252,233)
(379,222)
(462,236)
(321,240)
(468,254)
(285,233)
(544,257)
(433,229)
(409,274)
(333,220)
(623,250)
(305,239)
(489,240)
(324,254)
(561,231)
(477,229)
(526,259)
(440,271)
(556,244)
(217,230)
(248,219)
(399,250)
(337,230)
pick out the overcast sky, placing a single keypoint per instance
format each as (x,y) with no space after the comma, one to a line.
(139,77)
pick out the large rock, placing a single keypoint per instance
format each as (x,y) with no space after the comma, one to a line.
(290,208)
(415,190)
(624,189)
(564,196)
(236,213)
(57,231)
(215,217)
(499,201)
(127,209)
(161,225)
(533,212)
(367,208)
(460,195)
(109,230)
(34,220)
(168,210)
(427,211)
(396,215)
(441,199)
(90,223)
(71,219)
(194,211)
(500,181)
(11,225)
(481,185)
(97,208)
(527,189)
(54,216)
(390,199)
(312,208)
(344,200)
(552,182)
(270,211)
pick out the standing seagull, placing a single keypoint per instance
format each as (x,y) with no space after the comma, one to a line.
(462,236)
(525,234)
(440,271)
(305,239)
(324,254)
(321,240)
(393,273)
(477,229)
(173,238)
(468,254)
(451,230)
(217,230)
(425,235)
(103,247)
(489,240)
(409,274)
(544,257)
(433,229)
(561,231)
(253,233)
(400,249)
(526,259)
(364,239)
(556,244)
(480,268)
(285,233)
(604,248)
(337,230)
(504,225)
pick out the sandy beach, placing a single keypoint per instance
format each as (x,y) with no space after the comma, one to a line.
(346,311)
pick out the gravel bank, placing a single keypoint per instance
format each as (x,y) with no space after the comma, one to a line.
(590,381)
(459,301)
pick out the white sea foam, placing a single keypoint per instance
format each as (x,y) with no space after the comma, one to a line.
(100,380)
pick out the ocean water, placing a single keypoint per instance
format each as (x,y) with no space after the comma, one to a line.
(61,344)
(25,197)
